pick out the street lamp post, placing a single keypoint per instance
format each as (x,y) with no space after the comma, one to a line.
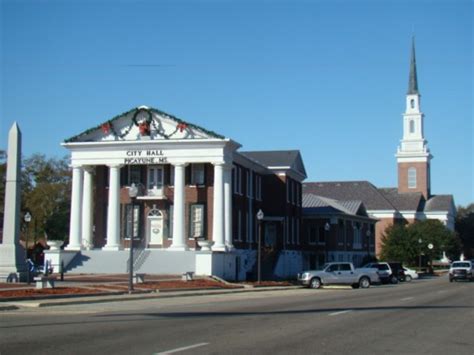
(419,253)
(368,243)
(327,228)
(132,193)
(27,219)
(260,216)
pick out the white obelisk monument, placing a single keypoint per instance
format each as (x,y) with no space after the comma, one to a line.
(12,254)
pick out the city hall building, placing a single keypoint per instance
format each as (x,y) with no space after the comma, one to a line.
(197,202)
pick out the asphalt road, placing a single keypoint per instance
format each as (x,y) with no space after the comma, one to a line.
(429,316)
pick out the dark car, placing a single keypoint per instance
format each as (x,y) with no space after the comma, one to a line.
(397,270)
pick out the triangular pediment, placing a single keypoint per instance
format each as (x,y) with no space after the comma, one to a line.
(143,123)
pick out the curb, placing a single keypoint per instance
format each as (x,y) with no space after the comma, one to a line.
(126,297)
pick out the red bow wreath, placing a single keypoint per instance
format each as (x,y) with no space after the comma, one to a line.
(182,126)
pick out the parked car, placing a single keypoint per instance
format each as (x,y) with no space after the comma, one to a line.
(385,272)
(397,270)
(410,274)
(461,270)
(339,274)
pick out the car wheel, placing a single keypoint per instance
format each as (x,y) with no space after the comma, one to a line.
(408,278)
(393,280)
(364,282)
(315,283)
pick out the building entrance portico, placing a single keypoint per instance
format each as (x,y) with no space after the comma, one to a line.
(180,168)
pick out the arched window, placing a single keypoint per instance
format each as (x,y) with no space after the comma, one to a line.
(412,103)
(411,178)
(412,126)
(154,213)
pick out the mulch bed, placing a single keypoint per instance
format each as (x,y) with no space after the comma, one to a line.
(48,291)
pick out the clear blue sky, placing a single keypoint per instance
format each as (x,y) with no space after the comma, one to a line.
(326,77)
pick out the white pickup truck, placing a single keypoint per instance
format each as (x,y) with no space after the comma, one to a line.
(339,274)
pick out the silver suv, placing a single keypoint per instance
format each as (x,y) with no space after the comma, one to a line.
(461,270)
(385,272)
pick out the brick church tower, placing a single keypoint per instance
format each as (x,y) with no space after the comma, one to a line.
(413,155)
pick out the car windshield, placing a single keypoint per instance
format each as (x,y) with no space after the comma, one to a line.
(461,265)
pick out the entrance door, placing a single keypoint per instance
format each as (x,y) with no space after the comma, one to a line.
(155,227)
(155,180)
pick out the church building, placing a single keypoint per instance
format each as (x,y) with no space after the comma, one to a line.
(412,200)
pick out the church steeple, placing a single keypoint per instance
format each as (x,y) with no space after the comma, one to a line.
(413,155)
(413,80)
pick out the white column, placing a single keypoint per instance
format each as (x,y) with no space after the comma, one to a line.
(76,210)
(87,207)
(113,211)
(228,206)
(179,238)
(218,213)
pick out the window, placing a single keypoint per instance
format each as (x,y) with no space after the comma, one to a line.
(313,232)
(258,187)
(128,221)
(197,221)
(293,192)
(134,175)
(155,180)
(412,178)
(246,229)
(412,103)
(322,235)
(412,126)
(298,231)
(247,178)
(340,233)
(298,201)
(345,267)
(239,225)
(170,222)
(172,175)
(197,174)
(357,242)
(239,180)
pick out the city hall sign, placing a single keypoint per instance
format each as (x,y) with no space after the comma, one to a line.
(144,157)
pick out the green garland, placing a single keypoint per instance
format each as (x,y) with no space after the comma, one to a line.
(109,125)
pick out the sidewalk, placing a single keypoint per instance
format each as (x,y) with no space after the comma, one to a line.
(83,289)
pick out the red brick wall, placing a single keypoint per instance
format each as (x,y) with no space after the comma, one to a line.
(422,178)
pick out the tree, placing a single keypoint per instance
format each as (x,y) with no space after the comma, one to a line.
(465,229)
(397,244)
(46,191)
(433,232)
(405,243)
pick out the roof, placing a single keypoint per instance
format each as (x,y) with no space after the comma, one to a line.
(439,203)
(313,204)
(278,159)
(409,201)
(413,80)
(132,116)
(362,191)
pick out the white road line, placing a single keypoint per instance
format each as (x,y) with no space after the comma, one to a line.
(341,312)
(181,349)
(407,298)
